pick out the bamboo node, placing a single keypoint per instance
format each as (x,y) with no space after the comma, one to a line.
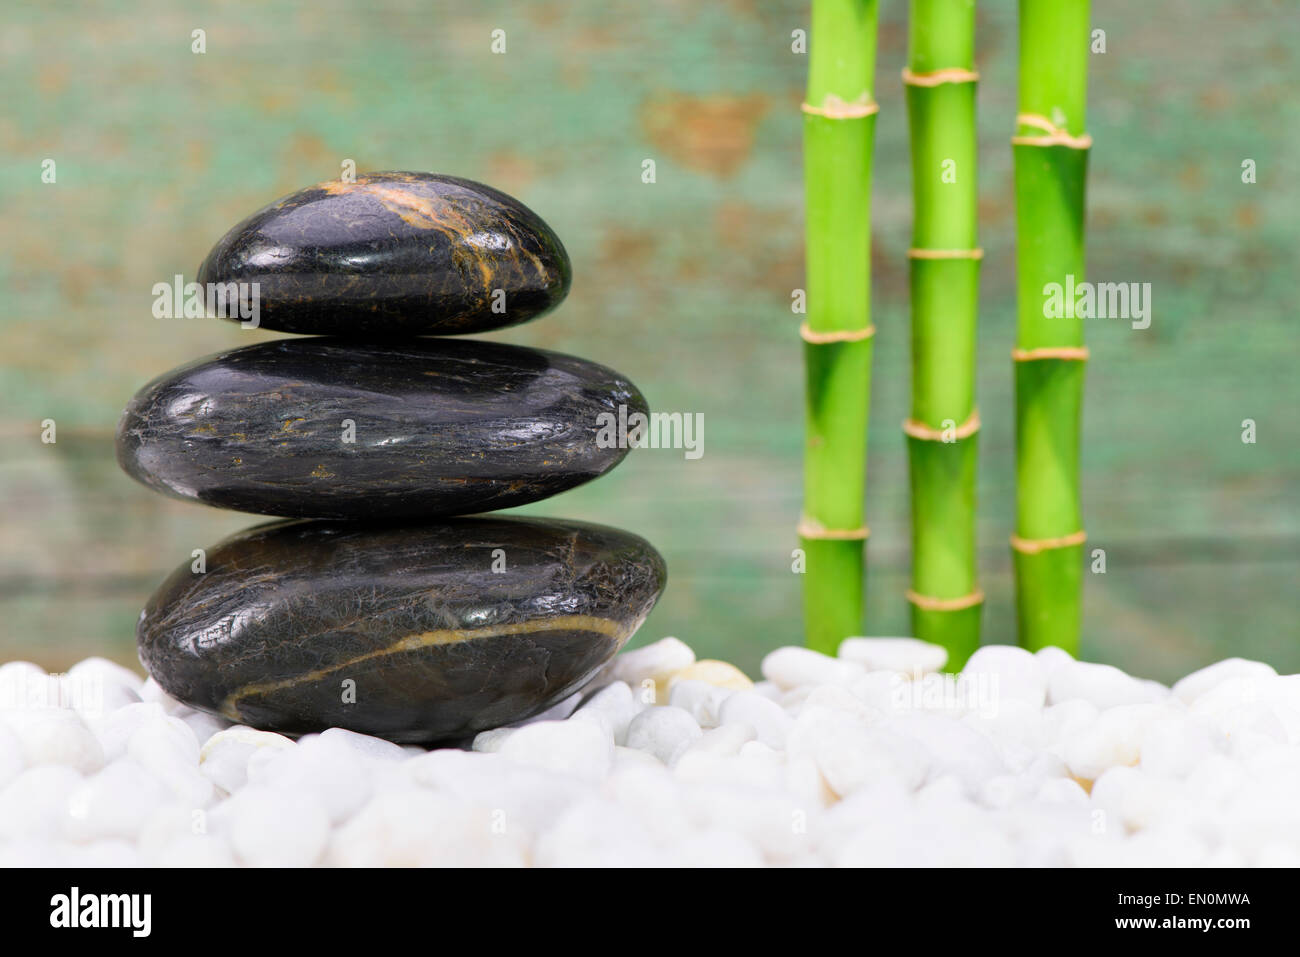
(976,253)
(834,108)
(1032,546)
(1054,135)
(938,77)
(816,531)
(1076,353)
(838,335)
(919,430)
(930,603)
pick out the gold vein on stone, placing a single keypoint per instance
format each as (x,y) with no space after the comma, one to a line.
(429,639)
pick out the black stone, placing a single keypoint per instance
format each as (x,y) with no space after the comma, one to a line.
(394,254)
(441,427)
(408,632)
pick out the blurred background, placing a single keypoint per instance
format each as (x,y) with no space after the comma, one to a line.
(683,284)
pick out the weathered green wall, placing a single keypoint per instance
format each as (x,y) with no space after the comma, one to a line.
(684,284)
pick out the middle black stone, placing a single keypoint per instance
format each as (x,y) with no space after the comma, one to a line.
(331,428)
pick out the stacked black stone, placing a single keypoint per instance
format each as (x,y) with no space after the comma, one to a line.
(373,608)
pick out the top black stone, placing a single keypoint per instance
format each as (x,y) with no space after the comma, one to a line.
(394,254)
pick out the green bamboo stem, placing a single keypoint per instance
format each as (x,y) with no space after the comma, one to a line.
(1050,186)
(837,175)
(945,596)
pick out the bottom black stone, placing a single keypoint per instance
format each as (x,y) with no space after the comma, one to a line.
(418,634)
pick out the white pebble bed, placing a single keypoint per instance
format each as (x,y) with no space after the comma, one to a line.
(872,758)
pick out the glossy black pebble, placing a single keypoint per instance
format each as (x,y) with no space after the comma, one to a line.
(437,427)
(394,254)
(404,632)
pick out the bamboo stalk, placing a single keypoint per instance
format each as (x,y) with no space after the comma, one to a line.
(1051,156)
(945,263)
(839,127)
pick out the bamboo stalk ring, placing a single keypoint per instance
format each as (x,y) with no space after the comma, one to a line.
(1053,134)
(834,108)
(836,335)
(1032,546)
(939,77)
(1072,353)
(976,253)
(930,603)
(816,531)
(919,430)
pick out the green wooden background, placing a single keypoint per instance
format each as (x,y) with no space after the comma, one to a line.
(683,284)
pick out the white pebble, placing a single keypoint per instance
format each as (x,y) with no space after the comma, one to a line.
(205,725)
(114,803)
(793,701)
(151,691)
(791,667)
(114,729)
(1285,690)
(57,736)
(616,703)
(364,745)
(1061,722)
(1062,791)
(771,820)
(1052,658)
(597,719)
(888,691)
(953,748)
(412,827)
(108,853)
(490,741)
(632,758)
(721,674)
(109,671)
(767,718)
(759,766)
(1104,686)
(223,759)
(571,747)
(35,804)
(726,740)
(1238,703)
(714,848)
(805,782)
(332,769)
(23,686)
(1174,744)
(664,732)
(1206,679)
(522,800)
(909,655)
(851,756)
(167,748)
(838,698)
(1136,799)
(1016,729)
(654,663)
(98,686)
(652,795)
(1114,739)
(196,850)
(11,757)
(597,833)
(1018,674)
(702,699)
(274,828)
